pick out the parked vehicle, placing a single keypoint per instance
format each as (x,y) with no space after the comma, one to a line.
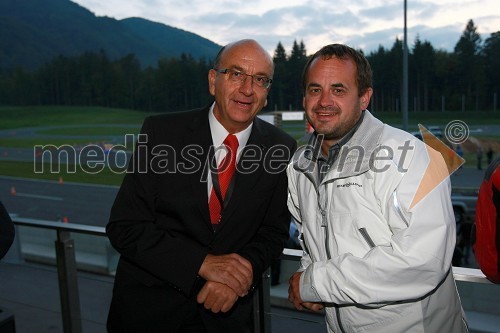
(464,206)
(435,130)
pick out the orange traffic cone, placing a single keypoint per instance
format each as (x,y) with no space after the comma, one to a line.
(13,190)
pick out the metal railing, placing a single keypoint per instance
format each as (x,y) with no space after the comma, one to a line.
(68,283)
(66,266)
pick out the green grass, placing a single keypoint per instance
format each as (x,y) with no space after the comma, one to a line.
(440,118)
(92,131)
(36,116)
(102,124)
(76,118)
(30,143)
(98,124)
(27,170)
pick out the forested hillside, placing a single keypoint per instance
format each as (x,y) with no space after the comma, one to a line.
(61,54)
(33,32)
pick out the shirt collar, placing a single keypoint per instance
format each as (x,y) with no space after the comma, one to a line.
(219,133)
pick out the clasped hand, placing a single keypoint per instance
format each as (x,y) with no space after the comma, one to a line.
(228,277)
(294,295)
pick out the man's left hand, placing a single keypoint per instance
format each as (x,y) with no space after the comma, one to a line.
(294,295)
(217,297)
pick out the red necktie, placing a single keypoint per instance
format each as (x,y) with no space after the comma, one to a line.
(225,173)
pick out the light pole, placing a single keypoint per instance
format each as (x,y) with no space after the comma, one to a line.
(405,75)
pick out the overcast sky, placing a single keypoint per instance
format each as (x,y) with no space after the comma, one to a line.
(363,24)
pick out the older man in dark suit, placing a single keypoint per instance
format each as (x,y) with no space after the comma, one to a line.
(202,211)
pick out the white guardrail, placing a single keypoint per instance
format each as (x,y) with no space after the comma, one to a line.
(69,241)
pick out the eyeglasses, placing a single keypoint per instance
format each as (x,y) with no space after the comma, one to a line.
(240,77)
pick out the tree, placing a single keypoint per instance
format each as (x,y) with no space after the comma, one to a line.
(423,65)
(180,83)
(379,64)
(395,71)
(276,97)
(295,66)
(491,53)
(445,64)
(469,68)
(126,77)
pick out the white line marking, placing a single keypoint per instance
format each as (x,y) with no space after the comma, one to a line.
(27,195)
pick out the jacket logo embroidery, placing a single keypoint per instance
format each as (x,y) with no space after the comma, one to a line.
(349,185)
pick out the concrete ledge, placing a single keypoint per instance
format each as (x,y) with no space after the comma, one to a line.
(480,322)
(89,262)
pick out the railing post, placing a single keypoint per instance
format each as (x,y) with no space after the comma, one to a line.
(68,283)
(256,311)
(265,305)
(262,305)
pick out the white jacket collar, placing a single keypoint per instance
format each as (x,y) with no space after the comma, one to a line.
(355,157)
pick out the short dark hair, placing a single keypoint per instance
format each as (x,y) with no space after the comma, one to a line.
(363,68)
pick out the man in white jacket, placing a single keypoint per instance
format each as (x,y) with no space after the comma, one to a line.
(373,207)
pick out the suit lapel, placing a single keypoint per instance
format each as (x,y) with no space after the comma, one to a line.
(199,135)
(245,181)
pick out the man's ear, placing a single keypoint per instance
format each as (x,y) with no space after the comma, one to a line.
(212,74)
(365,98)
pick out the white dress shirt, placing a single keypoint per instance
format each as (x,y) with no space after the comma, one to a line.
(219,134)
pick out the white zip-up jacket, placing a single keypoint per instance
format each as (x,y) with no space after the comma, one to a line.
(378,236)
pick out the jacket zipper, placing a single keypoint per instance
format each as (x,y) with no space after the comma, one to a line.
(367,237)
(398,209)
(324,224)
(327,249)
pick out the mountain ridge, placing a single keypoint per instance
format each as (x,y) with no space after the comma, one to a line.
(33,32)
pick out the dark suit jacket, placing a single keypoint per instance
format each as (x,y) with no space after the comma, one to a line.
(7,231)
(160,221)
